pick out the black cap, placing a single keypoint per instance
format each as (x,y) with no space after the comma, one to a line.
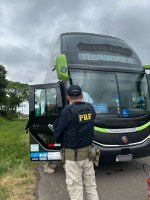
(74,91)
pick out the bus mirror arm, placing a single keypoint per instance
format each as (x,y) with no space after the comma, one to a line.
(54,68)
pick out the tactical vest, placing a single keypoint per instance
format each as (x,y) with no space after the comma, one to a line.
(80,130)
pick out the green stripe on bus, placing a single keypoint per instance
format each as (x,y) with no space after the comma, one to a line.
(140,128)
(101,129)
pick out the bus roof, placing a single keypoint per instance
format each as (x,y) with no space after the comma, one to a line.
(86,33)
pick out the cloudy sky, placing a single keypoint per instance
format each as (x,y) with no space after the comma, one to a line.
(28,29)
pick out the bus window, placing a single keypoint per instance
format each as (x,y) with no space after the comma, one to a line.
(39,102)
(52,107)
(131,98)
(101,89)
(45,102)
(134,94)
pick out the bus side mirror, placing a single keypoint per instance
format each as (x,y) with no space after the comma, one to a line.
(61,67)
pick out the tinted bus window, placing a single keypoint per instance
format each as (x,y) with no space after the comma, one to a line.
(99,50)
(99,89)
(45,102)
(129,99)
(134,94)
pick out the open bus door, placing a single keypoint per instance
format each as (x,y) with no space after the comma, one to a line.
(45,104)
(147,69)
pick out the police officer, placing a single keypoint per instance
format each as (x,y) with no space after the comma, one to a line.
(74,129)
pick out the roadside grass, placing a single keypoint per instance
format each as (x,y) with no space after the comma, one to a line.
(17,179)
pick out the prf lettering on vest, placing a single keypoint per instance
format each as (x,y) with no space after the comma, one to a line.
(85,117)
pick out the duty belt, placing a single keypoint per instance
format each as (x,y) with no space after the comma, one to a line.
(76,154)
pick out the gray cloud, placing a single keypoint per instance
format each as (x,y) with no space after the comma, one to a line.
(28,29)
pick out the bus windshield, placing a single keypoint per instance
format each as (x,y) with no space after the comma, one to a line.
(115,94)
(99,50)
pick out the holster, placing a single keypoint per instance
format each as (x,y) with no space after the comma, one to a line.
(94,155)
(96,161)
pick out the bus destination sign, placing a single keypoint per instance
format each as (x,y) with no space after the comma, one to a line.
(106,58)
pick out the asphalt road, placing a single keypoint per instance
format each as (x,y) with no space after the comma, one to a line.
(115,181)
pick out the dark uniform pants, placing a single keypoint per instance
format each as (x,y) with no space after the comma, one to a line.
(79,174)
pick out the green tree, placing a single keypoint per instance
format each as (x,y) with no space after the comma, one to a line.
(17,93)
(3,84)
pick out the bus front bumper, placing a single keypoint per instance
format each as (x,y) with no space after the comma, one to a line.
(123,153)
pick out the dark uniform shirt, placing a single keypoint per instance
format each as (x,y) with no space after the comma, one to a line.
(75,126)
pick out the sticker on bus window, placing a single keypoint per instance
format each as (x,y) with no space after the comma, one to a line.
(100,107)
(39,156)
(43,156)
(54,156)
(125,112)
(34,156)
(34,147)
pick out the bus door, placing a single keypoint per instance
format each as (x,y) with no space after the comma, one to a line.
(45,104)
(147,70)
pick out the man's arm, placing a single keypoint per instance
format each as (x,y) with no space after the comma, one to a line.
(61,123)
